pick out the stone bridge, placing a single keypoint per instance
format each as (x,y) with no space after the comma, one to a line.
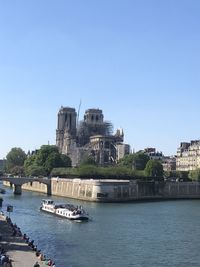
(19,181)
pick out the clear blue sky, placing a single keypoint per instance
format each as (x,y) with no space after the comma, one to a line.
(137,60)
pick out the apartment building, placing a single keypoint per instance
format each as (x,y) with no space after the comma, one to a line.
(188,156)
(169,163)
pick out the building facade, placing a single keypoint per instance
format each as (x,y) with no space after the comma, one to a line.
(169,164)
(188,156)
(153,154)
(91,137)
(122,150)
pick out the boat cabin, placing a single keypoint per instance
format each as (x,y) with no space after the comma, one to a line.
(47,201)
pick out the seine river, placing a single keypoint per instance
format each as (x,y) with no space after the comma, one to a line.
(119,235)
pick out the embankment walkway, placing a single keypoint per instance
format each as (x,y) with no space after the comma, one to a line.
(16,248)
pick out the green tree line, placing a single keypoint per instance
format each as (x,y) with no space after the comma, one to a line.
(47,161)
(40,163)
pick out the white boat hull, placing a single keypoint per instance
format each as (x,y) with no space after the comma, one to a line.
(71,213)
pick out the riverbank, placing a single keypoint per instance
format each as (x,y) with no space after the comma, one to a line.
(105,190)
(16,248)
(117,190)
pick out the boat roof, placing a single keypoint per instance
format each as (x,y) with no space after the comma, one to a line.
(48,200)
(60,205)
(64,205)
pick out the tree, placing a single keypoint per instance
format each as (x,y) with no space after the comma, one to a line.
(53,160)
(135,161)
(17,170)
(36,170)
(44,152)
(140,160)
(15,158)
(45,159)
(195,175)
(154,168)
(66,161)
(30,161)
(127,161)
(88,161)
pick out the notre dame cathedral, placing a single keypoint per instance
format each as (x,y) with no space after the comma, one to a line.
(91,137)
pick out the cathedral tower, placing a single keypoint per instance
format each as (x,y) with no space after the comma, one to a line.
(66,125)
(93,116)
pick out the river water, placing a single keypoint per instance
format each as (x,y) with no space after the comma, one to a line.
(151,234)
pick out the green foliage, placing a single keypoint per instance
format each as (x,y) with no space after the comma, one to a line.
(64,172)
(88,161)
(52,161)
(94,172)
(194,175)
(2,165)
(44,152)
(89,171)
(127,161)
(15,158)
(154,168)
(65,161)
(135,161)
(17,170)
(140,161)
(46,158)
(29,162)
(36,170)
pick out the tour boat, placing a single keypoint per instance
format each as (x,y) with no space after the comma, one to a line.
(67,211)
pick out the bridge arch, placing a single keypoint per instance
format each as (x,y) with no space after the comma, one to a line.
(18,182)
(30,183)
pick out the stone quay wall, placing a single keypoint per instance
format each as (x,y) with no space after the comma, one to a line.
(117,190)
